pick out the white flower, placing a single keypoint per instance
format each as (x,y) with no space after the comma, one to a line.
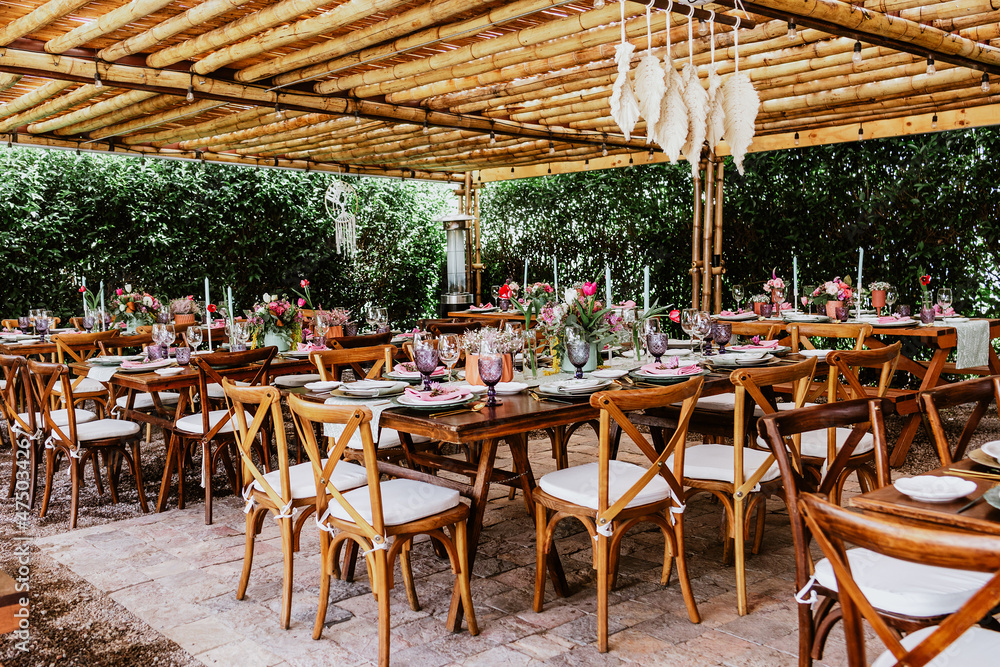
(128,288)
(266,298)
(570,295)
(274,297)
(831,288)
(121,308)
(147,301)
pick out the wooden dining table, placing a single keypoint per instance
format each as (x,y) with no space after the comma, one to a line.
(980,518)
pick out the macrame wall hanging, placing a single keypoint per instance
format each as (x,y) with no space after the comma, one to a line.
(341,202)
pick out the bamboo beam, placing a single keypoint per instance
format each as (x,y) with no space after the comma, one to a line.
(945,10)
(117,115)
(373,135)
(126,76)
(52,107)
(38,17)
(36,96)
(325,56)
(107,22)
(192,18)
(247,118)
(288,130)
(93,111)
(843,19)
(167,116)
(962,23)
(8,81)
(272,15)
(328,22)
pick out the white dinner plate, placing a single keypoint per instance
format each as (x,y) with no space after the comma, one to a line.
(742,317)
(609,373)
(321,386)
(510,388)
(406,399)
(933,489)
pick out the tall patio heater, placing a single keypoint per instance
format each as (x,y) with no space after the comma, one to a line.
(456,294)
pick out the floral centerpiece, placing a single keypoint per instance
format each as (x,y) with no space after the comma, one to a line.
(772,286)
(833,294)
(878,289)
(277,321)
(184,309)
(537,297)
(580,308)
(927,312)
(91,302)
(131,309)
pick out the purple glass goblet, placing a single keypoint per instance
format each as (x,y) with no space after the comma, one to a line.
(765,310)
(578,352)
(351,329)
(490,372)
(182,355)
(154,352)
(722,333)
(24,324)
(927,316)
(88,323)
(904,309)
(425,356)
(42,326)
(657,343)
(842,313)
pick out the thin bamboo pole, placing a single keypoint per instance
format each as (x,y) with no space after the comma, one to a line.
(706,229)
(695,269)
(192,18)
(52,107)
(240,120)
(298,127)
(36,96)
(150,105)
(167,116)
(8,81)
(718,265)
(107,22)
(93,111)
(36,18)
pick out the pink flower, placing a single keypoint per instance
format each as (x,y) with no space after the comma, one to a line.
(589,289)
(119,291)
(302,302)
(549,289)
(304,283)
(675,316)
(82,290)
(190,297)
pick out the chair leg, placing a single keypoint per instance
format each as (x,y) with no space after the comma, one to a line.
(251,521)
(326,556)
(137,473)
(758,537)
(350,561)
(405,566)
(378,567)
(76,473)
(603,585)
(286,584)
(149,434)
(464,586)
(682,570)
(208,467)
(35,452)
(541,519)
(111,465)
(738,528)
(97,475)
(50,465)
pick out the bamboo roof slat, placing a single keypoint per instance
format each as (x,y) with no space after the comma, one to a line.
(107,23)
(35,97)
(114,114)
(44,14)
(247,118)
(93,111)
(288,129)
(51,107)
(8,80)
(153,120)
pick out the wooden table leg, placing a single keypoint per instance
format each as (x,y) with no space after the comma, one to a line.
(173,452)
(912,422)
(479,497)
(994,361)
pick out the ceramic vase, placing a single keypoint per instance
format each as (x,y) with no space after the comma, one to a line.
(831,308)
(472,369)
(278,341)
(592,363)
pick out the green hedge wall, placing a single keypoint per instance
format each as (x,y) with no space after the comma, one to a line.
(166,225)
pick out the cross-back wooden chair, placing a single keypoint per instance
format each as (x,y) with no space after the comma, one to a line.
(111,439)
(438,328)
(78,347)
(742,477)
(124,342)
(909,596)
(609,497)
(957,640)
(767,331)
(802,332)
(361,340)
(980,392)
(330,364)
(212,429)
(9,325)
(369,516)
(279,492)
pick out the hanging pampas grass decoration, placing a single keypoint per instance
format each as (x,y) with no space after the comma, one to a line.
(696,100)
(716,111)
(650,86)
(624,106)
(671,129)
(741,104)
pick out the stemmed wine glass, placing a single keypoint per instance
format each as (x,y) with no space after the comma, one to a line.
(320,327)
(657,340)
(382,319)
(193,336)
(371,316)
(722,333)
(944,298)
(495,291)
(701,325)
(24,323)
(449,350)
(42,326)
(806,304)
(890,299)
(738,295)
(88,323)
(490,370)
(688,316)
(577,349)
(425,357)
(779,294)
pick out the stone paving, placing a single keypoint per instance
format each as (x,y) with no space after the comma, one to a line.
(180,576)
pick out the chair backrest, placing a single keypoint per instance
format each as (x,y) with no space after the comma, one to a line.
(438,328)
(46,378)
(214,367)
(329,362)
(266,404)
(354,419)
(17,397)
(9,324)
(833,526)
(364,340)
(80,346)
(613,406)
(781,431)
(981,391)
(76,323)
(121,342)
(801,333)
(767,331)
(848,362)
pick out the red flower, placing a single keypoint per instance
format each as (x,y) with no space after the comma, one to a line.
(211,308)
(82,290)
(675,316)
(589,289)
(925,280)
(304,283)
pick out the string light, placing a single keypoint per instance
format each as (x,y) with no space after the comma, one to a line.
(357,118)
(792,32)
(650,155)
(190,92)
(796,138)
(604,146)
(985,85)
(930,65)
(861,132)
(277,109)
(857,53)
(934,121)
(550,168)
(426,129)
(598,4)
(97,78)
(552,147)
(702,27)
(308,166)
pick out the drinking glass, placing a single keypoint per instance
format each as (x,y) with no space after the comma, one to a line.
(842,313)
(425,357)
(449,350)
(490,370)
(163,317)
(738,295)
(765,310)
(320,327)
(382,319)
(24,323)
(779,295)
(688,316)
(722,333)
(371,316)
(351,329)
(805,304)
(701,325)
(577,349)
(42,326)
(657,340)
(88,323)
(154,352)
(193,336)
(495,291)
(183,356)
(890,298)
(944,298)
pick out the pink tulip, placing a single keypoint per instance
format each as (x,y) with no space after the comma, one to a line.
(119,291)
(589,289)
(302,302)
(675,316)
(304,283)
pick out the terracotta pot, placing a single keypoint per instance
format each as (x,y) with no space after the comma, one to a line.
(472,369)
(831,308)
(336,331)
(183,318)
(878,298)
(756,308)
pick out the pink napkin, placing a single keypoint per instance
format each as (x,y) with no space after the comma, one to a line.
(411,368)
(762,345)
(140,364)
(786,306)
(307,347)
(889,319)
(429,397)
(663,369)
(727,313)
(482,306)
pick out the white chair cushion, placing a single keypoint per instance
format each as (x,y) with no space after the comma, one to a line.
(903,587)
(296,380)
(791,406)
(144,401)
(3,384)
(716,462)
(61,417)
(106,428)
(814,442)
(86,386)
(724,403)
(192,423)
(215,389)
(403,500)
(386,438)
(976,647)
(578,484)
(300,478)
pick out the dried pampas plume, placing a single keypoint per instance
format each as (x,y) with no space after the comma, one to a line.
(741,104)
(624,106)
(672,128)
(696,100)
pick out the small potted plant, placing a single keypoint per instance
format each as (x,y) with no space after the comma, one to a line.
(759,300)
(878,290)
(926,310)
(503,341)
(184,310)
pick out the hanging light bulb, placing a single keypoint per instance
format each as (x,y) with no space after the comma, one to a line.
(598,4)
(97,80)
(857,53)
(934,121)
(190,94)
(650,158)
(426,129)
(512,170)
(861,133)
(357,118)
(493,138)
(550,169)
(930,65)
(552,147)
(702,27)
(604,147)
(792,32)
(985,85)
(796,138)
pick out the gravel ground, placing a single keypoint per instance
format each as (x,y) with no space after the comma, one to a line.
(72,623)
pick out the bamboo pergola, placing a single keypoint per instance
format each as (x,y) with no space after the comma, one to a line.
(440,89)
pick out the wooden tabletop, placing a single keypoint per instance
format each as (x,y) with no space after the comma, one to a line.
(981,517)
(493,314)
(148,382)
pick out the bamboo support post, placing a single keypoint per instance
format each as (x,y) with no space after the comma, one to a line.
(707,230)
(718,266)
(695,269)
